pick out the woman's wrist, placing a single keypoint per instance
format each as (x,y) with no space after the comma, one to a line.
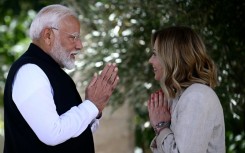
(160,126)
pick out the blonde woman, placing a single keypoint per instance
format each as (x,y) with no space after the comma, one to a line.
(186,113)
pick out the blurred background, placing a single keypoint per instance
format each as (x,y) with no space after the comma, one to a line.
(119,31)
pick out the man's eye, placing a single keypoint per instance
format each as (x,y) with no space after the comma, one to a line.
(73,38)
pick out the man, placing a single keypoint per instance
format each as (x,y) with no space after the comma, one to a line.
(43,109)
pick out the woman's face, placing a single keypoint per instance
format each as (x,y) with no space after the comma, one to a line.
(154,61)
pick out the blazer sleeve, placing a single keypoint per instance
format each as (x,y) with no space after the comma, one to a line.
(193,125)
(158,141)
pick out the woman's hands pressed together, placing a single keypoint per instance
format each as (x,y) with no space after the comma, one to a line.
(158,109)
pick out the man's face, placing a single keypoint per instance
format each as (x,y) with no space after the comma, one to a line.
(67,42)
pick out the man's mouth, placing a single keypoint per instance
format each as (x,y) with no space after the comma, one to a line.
(73,54)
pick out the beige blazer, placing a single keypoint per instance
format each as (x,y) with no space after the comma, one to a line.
(197,124)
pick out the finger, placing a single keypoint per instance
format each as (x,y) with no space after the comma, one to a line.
(109,88)
(151,103)
(94,79)
(160,97)
(165,104)
(115,83)
(107,71)
(112,68)
(156,101)
(104,71)
(113,76)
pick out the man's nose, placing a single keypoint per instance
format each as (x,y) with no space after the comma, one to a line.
(79,45)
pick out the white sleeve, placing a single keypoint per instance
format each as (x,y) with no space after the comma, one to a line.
(33,96)
(194,125)
(95,125)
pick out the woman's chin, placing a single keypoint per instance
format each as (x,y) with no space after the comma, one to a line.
(157,78)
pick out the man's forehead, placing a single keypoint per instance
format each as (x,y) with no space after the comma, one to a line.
(69,22)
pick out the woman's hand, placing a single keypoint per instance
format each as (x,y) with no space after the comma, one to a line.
(158,109)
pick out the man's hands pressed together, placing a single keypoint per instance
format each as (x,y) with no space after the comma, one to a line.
(101,86)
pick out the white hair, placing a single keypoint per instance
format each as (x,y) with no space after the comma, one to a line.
(49,16)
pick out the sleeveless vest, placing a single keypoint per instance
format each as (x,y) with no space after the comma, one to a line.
(19,137)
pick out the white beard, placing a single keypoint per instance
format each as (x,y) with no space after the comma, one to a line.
(63,57)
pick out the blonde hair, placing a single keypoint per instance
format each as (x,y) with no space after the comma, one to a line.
(184,60)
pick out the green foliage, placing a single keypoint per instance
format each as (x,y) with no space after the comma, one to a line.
(119,31)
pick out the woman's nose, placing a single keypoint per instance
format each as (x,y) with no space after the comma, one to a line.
(150,60)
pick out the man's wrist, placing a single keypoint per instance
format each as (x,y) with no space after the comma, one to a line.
(99,115)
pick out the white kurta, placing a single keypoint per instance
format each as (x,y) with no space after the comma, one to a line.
(33,96)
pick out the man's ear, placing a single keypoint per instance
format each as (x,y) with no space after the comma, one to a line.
(48,36)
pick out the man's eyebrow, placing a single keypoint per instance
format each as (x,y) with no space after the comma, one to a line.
(76,34)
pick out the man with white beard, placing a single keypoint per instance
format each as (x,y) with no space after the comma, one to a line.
(44,112)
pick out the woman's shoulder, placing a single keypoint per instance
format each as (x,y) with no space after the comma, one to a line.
(199,91)
(199,88)
(198,96)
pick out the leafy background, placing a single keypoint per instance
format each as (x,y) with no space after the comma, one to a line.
(119,31)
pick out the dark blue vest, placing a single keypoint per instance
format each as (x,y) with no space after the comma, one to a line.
(19,137)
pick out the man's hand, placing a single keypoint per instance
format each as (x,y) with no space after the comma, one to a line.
(101,87)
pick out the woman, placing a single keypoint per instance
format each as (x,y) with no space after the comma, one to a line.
(186,114)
